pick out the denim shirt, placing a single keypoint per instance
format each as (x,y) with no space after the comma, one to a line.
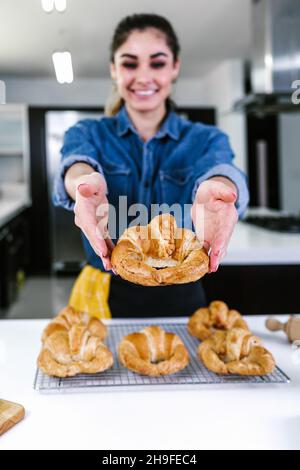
(168,168)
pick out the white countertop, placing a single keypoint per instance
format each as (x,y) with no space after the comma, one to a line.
(14,198)
(259,416)
(255,245)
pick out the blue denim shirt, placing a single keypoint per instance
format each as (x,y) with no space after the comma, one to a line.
(167,168)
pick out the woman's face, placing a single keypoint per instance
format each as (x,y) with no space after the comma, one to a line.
(144,69)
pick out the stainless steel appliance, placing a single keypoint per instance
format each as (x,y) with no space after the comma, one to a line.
(66,245)
(275,64)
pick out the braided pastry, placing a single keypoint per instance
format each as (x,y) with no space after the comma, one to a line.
(236,351)
(159,253)
(153,352)
(217,316)
(72,344)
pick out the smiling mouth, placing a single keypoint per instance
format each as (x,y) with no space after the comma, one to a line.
(144,92)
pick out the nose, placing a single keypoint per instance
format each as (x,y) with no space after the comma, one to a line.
(144,75)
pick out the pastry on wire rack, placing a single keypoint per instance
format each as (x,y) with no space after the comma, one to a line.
(154,352)
(72,344)
(217,316)
(236,351)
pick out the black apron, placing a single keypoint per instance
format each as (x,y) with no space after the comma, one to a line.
(131,300)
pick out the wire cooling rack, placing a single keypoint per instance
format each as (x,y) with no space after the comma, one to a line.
(119,377)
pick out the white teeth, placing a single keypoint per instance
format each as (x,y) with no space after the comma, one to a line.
(144,92)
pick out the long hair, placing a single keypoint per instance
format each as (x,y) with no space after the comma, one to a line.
(126,26)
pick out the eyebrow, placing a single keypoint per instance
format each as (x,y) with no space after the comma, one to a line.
(153,56)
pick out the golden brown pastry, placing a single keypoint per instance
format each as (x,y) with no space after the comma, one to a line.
(68,317)
(72,344)
(217,316)
(153,352)
(159,253)
(236,351)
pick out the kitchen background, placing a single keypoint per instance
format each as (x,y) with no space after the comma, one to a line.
(241,63)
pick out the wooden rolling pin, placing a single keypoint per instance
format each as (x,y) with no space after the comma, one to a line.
(291,327)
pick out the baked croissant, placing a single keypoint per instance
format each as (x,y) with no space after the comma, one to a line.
(68,317)
(236,351)
(153,352)
(217,316)
(159,253)
(72,344)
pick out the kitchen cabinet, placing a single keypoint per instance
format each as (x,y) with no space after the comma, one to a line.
(14,258)
(256,289)
(14,144)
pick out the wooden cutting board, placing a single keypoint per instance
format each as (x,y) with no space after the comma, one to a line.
(10,414)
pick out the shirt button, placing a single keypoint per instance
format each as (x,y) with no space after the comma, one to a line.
(146,184)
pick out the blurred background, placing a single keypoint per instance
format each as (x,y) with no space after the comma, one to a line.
(240,71)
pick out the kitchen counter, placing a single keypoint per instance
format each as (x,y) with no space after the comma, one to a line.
(200,417)
(10,209)
(251,245)
(14,199)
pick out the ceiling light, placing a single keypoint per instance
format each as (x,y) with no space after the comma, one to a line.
(49,5)
(60,5)
(63,66)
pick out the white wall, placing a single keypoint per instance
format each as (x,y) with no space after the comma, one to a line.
(223,87)
(48,92)
(87,92)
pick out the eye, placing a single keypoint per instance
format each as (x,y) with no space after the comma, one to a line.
(129,65)
(158,65)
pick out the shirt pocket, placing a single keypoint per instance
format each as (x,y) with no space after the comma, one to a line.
(118,181)
(176,185)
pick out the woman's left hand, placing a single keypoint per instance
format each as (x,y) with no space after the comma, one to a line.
(214,217)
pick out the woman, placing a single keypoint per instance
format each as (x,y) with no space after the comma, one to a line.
(143,150)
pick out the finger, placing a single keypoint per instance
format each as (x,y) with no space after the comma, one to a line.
(107,263)
(110,244)
(95,179)
(87,190)
(213,262)
(206,245)
(96,246)
(103,235)
(217,250)
(99,244)
(224,193)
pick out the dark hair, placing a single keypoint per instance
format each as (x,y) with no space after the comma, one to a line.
(140,21)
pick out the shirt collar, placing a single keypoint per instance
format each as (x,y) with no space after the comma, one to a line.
(171,125)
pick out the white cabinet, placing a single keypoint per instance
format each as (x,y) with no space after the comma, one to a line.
(14,144)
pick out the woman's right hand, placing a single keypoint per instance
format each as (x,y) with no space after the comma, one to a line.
(91,214)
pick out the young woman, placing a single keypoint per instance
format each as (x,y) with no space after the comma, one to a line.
(145,151)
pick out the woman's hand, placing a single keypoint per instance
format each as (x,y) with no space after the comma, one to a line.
(91,214)
(214,216)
